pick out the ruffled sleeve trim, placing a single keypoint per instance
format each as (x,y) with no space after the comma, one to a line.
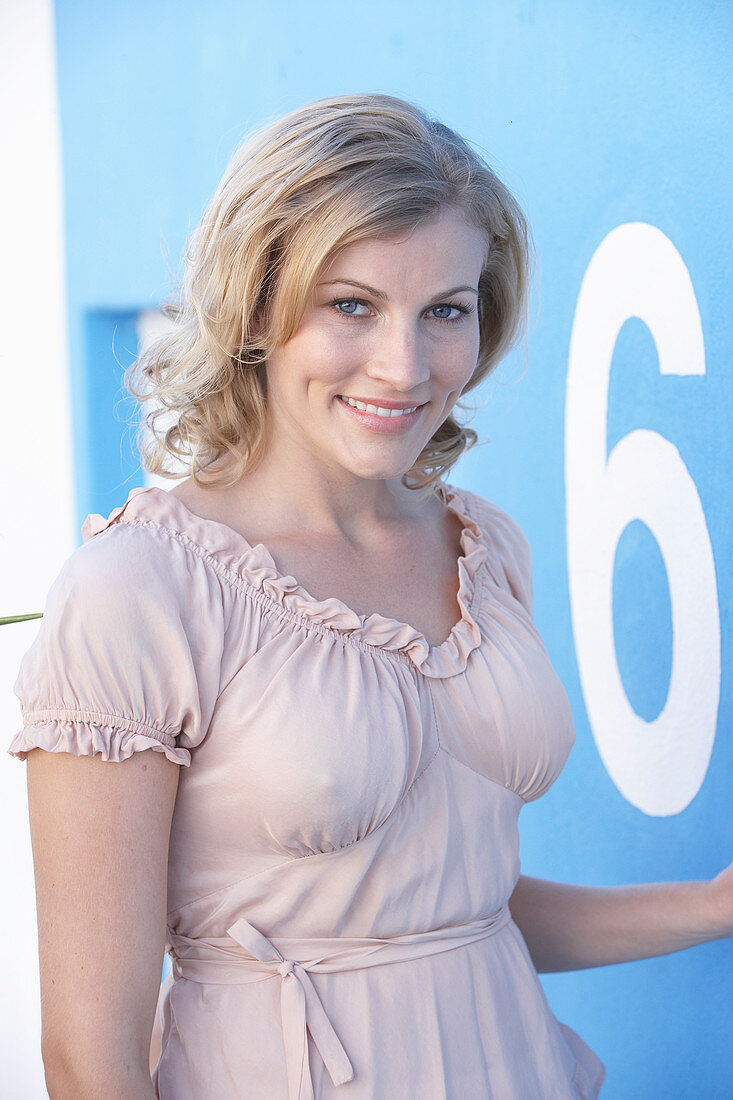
(85,733)
(255,565)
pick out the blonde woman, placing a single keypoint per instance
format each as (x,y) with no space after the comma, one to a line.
(330,650)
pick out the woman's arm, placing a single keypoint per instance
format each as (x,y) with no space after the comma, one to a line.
(573,927)
(100,834)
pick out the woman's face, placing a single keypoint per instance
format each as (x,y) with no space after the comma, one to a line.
(407,337)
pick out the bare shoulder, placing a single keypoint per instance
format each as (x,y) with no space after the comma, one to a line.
(213,502)
(242,507)
(189,492)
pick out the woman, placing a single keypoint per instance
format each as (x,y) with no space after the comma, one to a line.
(337,646)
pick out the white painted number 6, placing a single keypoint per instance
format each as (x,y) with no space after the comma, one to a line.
(658,766)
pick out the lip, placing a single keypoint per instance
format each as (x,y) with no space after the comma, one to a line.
(386,425)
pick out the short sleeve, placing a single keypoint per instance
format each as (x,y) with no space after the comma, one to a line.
(128,653)
(510,556)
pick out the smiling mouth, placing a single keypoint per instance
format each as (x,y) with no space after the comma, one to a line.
(388,412)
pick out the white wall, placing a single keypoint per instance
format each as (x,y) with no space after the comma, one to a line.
(36,484)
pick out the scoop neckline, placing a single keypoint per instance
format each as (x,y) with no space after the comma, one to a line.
(254,564)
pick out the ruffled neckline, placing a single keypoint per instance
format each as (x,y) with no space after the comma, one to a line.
(255,565)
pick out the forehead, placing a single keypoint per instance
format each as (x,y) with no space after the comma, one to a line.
(445,243)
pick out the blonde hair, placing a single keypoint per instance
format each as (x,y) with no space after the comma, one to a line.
(332,172)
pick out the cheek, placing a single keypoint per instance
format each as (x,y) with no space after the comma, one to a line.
(307,360)
(458,362)
(329,356)
(341,359)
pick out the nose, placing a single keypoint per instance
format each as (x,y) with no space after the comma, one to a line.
(399,358)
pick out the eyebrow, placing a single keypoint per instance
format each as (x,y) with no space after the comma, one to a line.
(383,297)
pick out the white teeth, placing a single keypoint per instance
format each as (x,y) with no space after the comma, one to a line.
(377,410)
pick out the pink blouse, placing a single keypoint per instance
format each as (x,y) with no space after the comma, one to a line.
(344,840)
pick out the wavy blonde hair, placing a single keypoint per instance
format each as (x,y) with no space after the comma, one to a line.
(296,190)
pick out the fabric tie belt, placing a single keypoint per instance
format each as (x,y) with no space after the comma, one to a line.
(216,962)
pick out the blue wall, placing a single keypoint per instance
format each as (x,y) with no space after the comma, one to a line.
(596,115)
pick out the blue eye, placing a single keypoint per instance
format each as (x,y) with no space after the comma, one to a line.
(347,302)
(461,311)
